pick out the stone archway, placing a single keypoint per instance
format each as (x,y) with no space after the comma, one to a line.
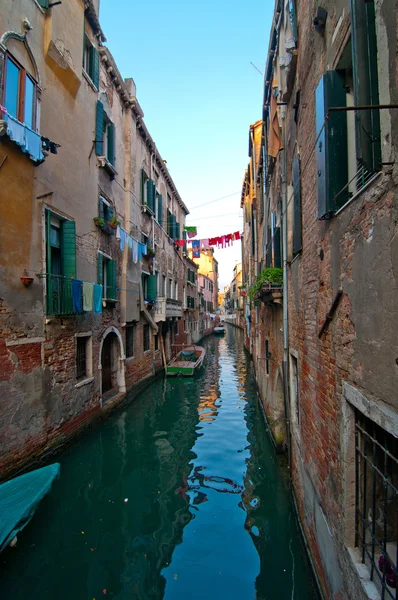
(112,362)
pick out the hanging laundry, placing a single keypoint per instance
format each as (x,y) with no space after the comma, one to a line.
(118,232)
(135,251)
(129,240)
(191,231)
(97,299)
(237,235)
(204,244)
(195,249)
(142,250)
(123,235)
(77,295)
(88,296)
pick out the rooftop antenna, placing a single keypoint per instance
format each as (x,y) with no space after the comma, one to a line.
(255,67)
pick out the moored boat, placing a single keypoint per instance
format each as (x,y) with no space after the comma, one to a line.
(19,499)
(187,362)
(219,330)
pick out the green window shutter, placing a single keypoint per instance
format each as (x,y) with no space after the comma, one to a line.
(100,262)
(160,209)
(151,287)
(44,3)
(277,248)
(99,129)
(297,226)
(94,66)
(178,231)
(150,185)
(332,153)
(111,143)
(184,237)
(172,227)
(144,178)
(168,222)
(49,279)
(366,86)
(111,280)
(68,249)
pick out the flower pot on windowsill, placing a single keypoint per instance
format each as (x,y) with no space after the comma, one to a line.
(113,223)
(150,252)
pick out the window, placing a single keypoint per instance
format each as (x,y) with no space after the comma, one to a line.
(149,287)
(163,285)
(297,231)
(144,239)
(146,338)
(104,135)
(148,191)
(60,264)
(172,225)
(91,60)
(267,356)
(176,291)
(106,212)
(19,93)
(106,276)
(84,368)
(376,506)
(159,208)
(130,329)
(156,338)
(170,294)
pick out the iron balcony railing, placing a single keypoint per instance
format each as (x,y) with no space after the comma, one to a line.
(58,295)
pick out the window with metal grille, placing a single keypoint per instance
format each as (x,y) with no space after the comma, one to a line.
(130,340)
(376,505)
(146,338)
(81,357)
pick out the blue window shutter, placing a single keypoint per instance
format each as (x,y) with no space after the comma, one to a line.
(332,145)
(68,249)
(99,129)
(297,226)
(111,280)
(111,143)
(100,261)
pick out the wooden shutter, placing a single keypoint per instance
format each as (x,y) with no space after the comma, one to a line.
(172,233)
(150,185)
(100,261)
(332,150)
(111,280)
(94,66)
(111,143)
(297,227)
(68,249)
(184,237)
(366,85)
(151,287)
(143,180)
(99,129)
(160,209)
(178,231)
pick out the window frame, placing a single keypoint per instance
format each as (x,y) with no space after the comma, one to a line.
(130,341)
(146,338)
(21,91)
(87,340)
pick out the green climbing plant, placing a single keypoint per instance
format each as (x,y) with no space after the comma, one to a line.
(270,275)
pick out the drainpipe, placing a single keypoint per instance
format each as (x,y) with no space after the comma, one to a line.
(285,289)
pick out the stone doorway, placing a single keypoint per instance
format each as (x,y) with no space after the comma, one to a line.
(112,363)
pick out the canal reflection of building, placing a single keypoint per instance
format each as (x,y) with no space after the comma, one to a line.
(161,509)
(208,407)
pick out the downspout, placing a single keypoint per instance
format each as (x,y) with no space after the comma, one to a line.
(285,289)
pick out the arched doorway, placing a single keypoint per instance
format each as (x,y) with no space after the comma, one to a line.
(111,363)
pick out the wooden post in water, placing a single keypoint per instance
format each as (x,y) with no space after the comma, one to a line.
(163,353)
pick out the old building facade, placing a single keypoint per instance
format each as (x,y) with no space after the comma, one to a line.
(320,261)
(93,287)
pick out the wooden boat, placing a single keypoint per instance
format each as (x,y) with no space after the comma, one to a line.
(219,330)
(187,362)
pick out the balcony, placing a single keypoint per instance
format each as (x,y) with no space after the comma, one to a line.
(58,296)
(271,293)
(166,308)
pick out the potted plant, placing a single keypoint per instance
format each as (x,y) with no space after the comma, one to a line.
(99,222)
(26,279)
(150,251)
(114,222)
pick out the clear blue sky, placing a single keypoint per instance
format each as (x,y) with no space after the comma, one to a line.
(199,92)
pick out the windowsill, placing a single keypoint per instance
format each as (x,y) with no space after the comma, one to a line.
(295,258)
(84,382)
(107,166)
(145,208)
(375,177)
(362,571)
(89,80)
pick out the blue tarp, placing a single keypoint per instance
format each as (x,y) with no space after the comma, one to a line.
(19,499)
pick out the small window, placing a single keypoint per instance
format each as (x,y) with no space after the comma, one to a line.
(144,239)
(19,93)
(130,329)
(156,343)
(146,338)
(83,357)
(104,135)
(91,60)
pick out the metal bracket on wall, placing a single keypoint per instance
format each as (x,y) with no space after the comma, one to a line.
(331,312)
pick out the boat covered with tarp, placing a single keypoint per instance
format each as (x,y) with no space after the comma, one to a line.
(220,330)
(19,499)
(187,362)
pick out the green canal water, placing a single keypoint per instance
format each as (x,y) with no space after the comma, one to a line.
(179,495)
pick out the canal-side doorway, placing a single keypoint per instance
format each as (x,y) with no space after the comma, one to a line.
(112,363)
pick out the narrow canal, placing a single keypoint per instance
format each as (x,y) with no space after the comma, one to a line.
(177,496)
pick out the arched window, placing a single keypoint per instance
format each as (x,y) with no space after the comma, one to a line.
(19,92)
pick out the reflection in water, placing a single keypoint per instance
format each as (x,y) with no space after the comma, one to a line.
(179,495)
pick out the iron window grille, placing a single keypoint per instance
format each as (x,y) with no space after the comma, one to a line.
(376,507)
(81,357)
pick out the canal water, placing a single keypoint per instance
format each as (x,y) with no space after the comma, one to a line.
(179,495)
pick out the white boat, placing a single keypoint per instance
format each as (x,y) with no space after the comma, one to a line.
(219,330)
